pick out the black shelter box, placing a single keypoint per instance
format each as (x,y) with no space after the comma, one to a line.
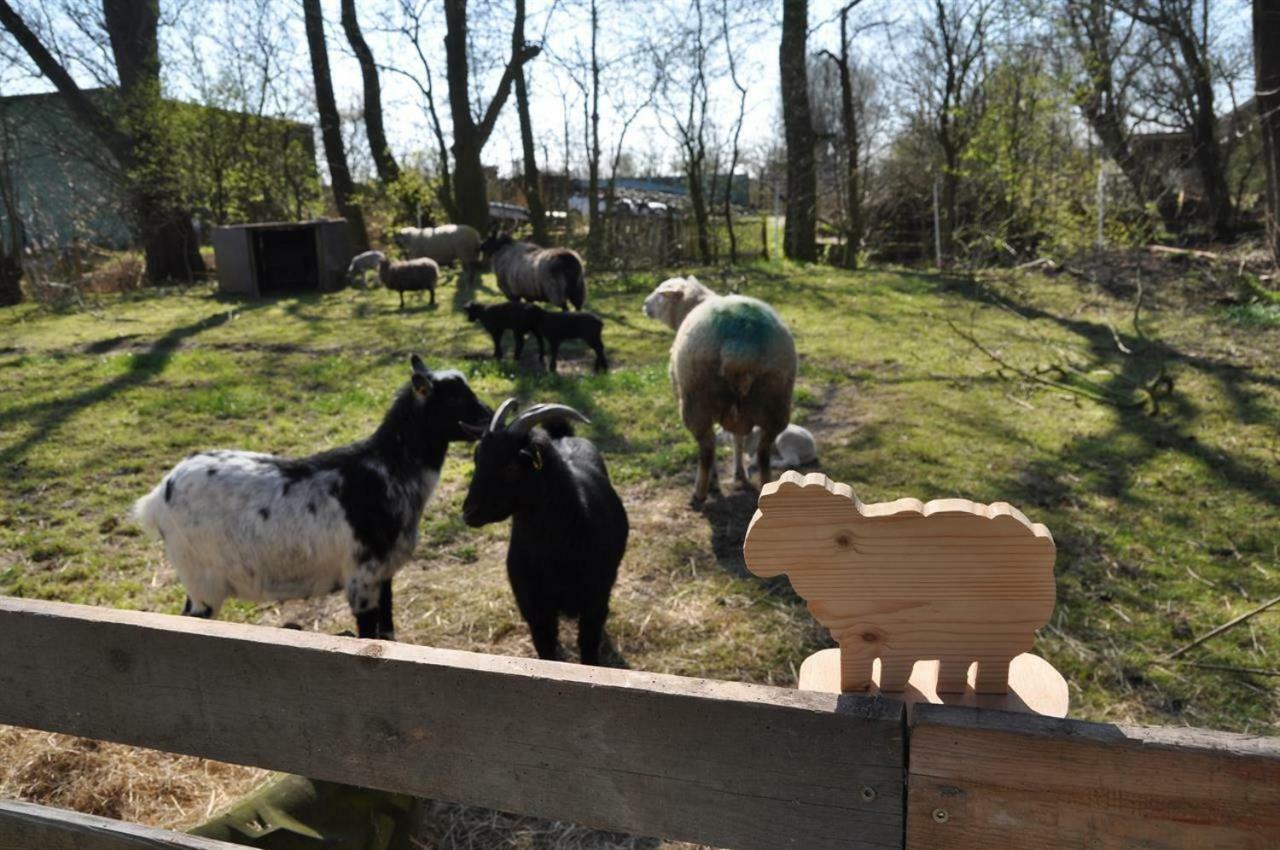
(282,258)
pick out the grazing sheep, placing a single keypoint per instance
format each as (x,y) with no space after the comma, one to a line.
(557,327)
(794,448)
(507,315)
(733,362)
(410,276)
(568,526)
(446,244)
(362,264)
(268,528)
(530,273)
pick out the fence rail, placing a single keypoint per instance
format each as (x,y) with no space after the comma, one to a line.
(730,765)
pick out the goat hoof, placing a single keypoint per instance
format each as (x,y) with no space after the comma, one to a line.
(346,633)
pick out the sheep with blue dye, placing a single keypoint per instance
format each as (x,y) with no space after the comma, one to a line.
(733,362)
(267,528)
(527,272)
(568,526)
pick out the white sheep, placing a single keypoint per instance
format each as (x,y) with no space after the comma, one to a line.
(528,272)
(410,276)
(733,362)
(446,244)
(362,264)
(794,448)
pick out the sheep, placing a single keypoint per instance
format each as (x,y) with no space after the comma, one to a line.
(568,526)
(526,271)
(733,361)
(507,315)
(410,276)
(557,327)
(267,528)
(446,244)
(362,264)
(795,447)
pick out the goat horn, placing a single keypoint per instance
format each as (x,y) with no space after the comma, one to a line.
(541,412)
(495,424)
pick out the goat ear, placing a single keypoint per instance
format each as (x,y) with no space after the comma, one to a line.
(421,385)
(672,294)
(473,432)
(418,366)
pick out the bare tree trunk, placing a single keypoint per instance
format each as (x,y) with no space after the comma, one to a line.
(593,158)
(470,192)
(735,151)
(383,159)
(344,191)
(799,237)
(532,180)
(849,123)
(1266,58)
(11,240)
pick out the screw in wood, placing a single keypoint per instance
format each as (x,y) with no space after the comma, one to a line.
(868,794)
(941,816)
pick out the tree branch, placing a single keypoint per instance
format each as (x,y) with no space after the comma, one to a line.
(517,63)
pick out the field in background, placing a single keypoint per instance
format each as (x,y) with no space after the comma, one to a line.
(1166,522)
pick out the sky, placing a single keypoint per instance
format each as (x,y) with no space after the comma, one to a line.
(202,36)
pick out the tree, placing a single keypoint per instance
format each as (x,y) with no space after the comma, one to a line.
(1266,58)
(1102,41)
(411,12)
(686,99)
(955,45)
(1182,29)
(383,159)
(344,190)
(849,123)
(133,129)
(469,137)
(735,151)
(800,234)
(532,180)
(11,238)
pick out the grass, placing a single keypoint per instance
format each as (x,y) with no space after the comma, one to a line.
(1167,522)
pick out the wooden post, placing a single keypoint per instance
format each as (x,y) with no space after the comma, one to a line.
(1102,205)
(764,236)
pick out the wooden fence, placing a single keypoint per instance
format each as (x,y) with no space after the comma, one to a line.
(726,764)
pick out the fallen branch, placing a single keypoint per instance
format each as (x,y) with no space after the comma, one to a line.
(1224,627)
(1256,671)
(1183,252)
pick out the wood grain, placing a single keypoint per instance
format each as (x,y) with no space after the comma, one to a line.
(985,779)
(26,826)
(1034,685)
(725,764)
(949,580)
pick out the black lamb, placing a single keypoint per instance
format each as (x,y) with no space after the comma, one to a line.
(568,526)
(514,316)
(557,327)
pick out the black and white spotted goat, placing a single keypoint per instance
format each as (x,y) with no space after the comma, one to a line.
(568,526)
(266,528)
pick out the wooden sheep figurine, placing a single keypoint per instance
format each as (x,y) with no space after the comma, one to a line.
(950,580)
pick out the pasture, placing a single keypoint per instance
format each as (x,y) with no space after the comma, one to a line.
(1165,505)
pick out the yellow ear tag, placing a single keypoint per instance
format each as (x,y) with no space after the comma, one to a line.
(537,459)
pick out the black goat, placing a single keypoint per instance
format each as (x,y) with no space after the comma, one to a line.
(557,327)
(514,316)
(568,526)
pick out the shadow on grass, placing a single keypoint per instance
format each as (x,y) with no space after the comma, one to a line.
(46,417)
